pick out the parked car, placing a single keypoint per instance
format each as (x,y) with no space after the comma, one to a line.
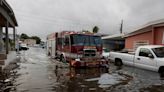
(150,57)
(36,45)
(24,47)
(43,46)
(105,53)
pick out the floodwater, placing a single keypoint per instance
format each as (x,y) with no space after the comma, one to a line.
(35,72)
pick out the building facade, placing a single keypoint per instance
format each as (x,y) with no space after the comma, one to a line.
(114,42)
(150,34)
(30,42)
(7,20)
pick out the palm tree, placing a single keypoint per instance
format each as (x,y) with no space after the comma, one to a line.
(95,29)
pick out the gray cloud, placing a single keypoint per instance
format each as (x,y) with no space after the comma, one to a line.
(42,17)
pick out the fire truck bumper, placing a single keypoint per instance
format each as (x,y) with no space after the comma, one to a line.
(90,63)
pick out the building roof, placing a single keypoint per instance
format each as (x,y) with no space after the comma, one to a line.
(114,37)
(9,11)
(151,46)
(147,27)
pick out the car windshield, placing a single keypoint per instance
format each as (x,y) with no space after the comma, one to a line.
(106,50)
(86,40)
(159,52)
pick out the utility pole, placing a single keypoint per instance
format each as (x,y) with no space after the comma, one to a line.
(17,42)
(121,27)
(7,37)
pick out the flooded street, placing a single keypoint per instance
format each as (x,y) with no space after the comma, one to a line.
(69,45)
(35,72)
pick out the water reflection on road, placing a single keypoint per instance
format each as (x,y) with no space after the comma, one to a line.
(86,80)
(35,72)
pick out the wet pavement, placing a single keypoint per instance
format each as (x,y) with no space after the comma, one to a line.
(35,72)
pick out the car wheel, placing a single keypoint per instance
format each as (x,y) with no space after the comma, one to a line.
(62,59)
(118,62)
(161,71)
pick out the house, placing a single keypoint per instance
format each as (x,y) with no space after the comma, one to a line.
(114,42)
(11,40)
(150,34)
(7,20)
(30,42)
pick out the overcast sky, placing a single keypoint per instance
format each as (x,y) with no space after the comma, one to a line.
(42,17)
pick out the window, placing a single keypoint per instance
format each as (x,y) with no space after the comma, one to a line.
(105,50)
(144,52)
(159,52)
(60,41)
(67,41)
(86,40)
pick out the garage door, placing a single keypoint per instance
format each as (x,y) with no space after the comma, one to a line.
(140,43)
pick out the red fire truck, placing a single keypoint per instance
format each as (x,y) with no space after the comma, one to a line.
(76,48)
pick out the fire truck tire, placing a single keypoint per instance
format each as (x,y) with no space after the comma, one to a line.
(70,64)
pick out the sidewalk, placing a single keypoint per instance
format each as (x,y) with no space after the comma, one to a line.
(8,72)
(11,58)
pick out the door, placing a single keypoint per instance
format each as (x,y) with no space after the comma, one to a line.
(144,61)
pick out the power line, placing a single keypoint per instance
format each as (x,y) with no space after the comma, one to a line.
(49,18)
(70,26)
(57,27)
(51,22)
(59,23)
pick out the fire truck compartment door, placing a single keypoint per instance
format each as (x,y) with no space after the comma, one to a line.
(53,48)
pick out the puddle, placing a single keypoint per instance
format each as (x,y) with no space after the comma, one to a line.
(153,88)
(110,79)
